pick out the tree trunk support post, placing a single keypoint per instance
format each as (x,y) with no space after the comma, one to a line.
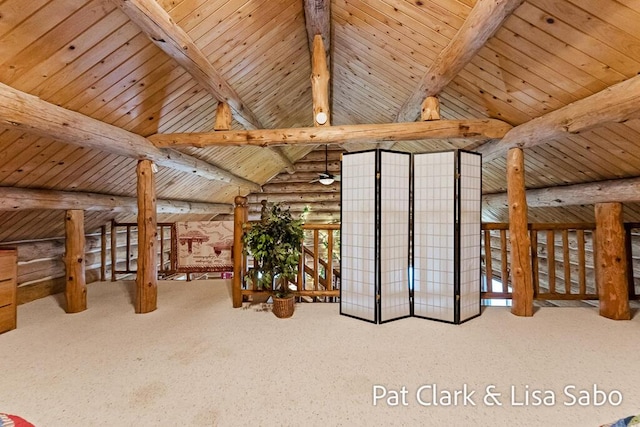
(147,274)
(611,262)
(240,215)
(522,302)
(76,289)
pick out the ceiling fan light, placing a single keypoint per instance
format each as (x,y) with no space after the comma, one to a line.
(327,180)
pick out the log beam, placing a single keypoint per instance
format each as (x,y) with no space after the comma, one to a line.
(147,274)
(611,262)
(483,21)
(430,109)
(285,187)
(76,288)
(19,110)
(317,206)
(320,84)
(615,190)
(615,104)
(294,197)
(519,236)
(437,129)
(165,33)
(317,17)
(223,117)
(15,199)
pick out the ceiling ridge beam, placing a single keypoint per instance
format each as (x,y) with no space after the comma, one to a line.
(483,21)
(615,104)
(625,190)
(14,199)
(19,110)
(157,24)
(473,129)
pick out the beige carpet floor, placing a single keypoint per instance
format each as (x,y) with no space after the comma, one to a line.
(198,362)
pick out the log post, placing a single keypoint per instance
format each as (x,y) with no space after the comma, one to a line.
(522,302)
(430,109)
(76,289)
(240,215)
(223,117)
(103,253)
(114,250)
(147,274)
(320,84)
(611,262)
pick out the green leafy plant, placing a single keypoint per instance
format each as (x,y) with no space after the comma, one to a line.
(274,242)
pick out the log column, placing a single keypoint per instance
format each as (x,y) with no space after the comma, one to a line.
(76,289)
(223,117)
(240,216)
(147,275)
(430,109)
(611,262)
(320,84)
(522,302)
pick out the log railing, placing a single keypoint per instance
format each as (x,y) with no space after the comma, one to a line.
(562,262)
(318,275)
(128,233)
(633,258)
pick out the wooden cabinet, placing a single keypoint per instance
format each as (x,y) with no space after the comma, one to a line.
(8,274)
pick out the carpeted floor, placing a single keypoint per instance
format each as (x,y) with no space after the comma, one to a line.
(197,362)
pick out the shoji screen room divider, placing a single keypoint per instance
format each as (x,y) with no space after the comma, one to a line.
(410,235)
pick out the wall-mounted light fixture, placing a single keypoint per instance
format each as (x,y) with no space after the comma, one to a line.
(321,118)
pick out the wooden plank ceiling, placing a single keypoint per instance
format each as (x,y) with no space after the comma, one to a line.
(89,57)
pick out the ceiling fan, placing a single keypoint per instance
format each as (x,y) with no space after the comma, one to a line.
(326,178)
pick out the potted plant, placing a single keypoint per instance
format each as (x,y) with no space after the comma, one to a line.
(274,242)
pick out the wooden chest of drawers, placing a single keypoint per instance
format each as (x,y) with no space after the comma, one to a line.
(8,274)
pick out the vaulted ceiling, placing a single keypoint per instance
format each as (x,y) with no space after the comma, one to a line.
(90,57)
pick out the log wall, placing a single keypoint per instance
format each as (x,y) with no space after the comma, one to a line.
(41,269)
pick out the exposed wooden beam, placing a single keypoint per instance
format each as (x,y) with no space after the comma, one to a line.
(320,84)
(463,129)
(616,104)
(147,274)
(15,199)
(293,197)
(29,113)
(300,187)
(223,117)
(298,207)
(175,42)
(615,190)
(483,21)
(317,16)
(156,23)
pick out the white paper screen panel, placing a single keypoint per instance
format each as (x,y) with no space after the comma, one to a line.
(394,235)
(358,262)
(470,225)
(434,221)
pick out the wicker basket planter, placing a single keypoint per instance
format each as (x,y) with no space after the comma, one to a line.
(283,307)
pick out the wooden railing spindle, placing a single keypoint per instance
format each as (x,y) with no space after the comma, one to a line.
(566,261)
(551,261)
